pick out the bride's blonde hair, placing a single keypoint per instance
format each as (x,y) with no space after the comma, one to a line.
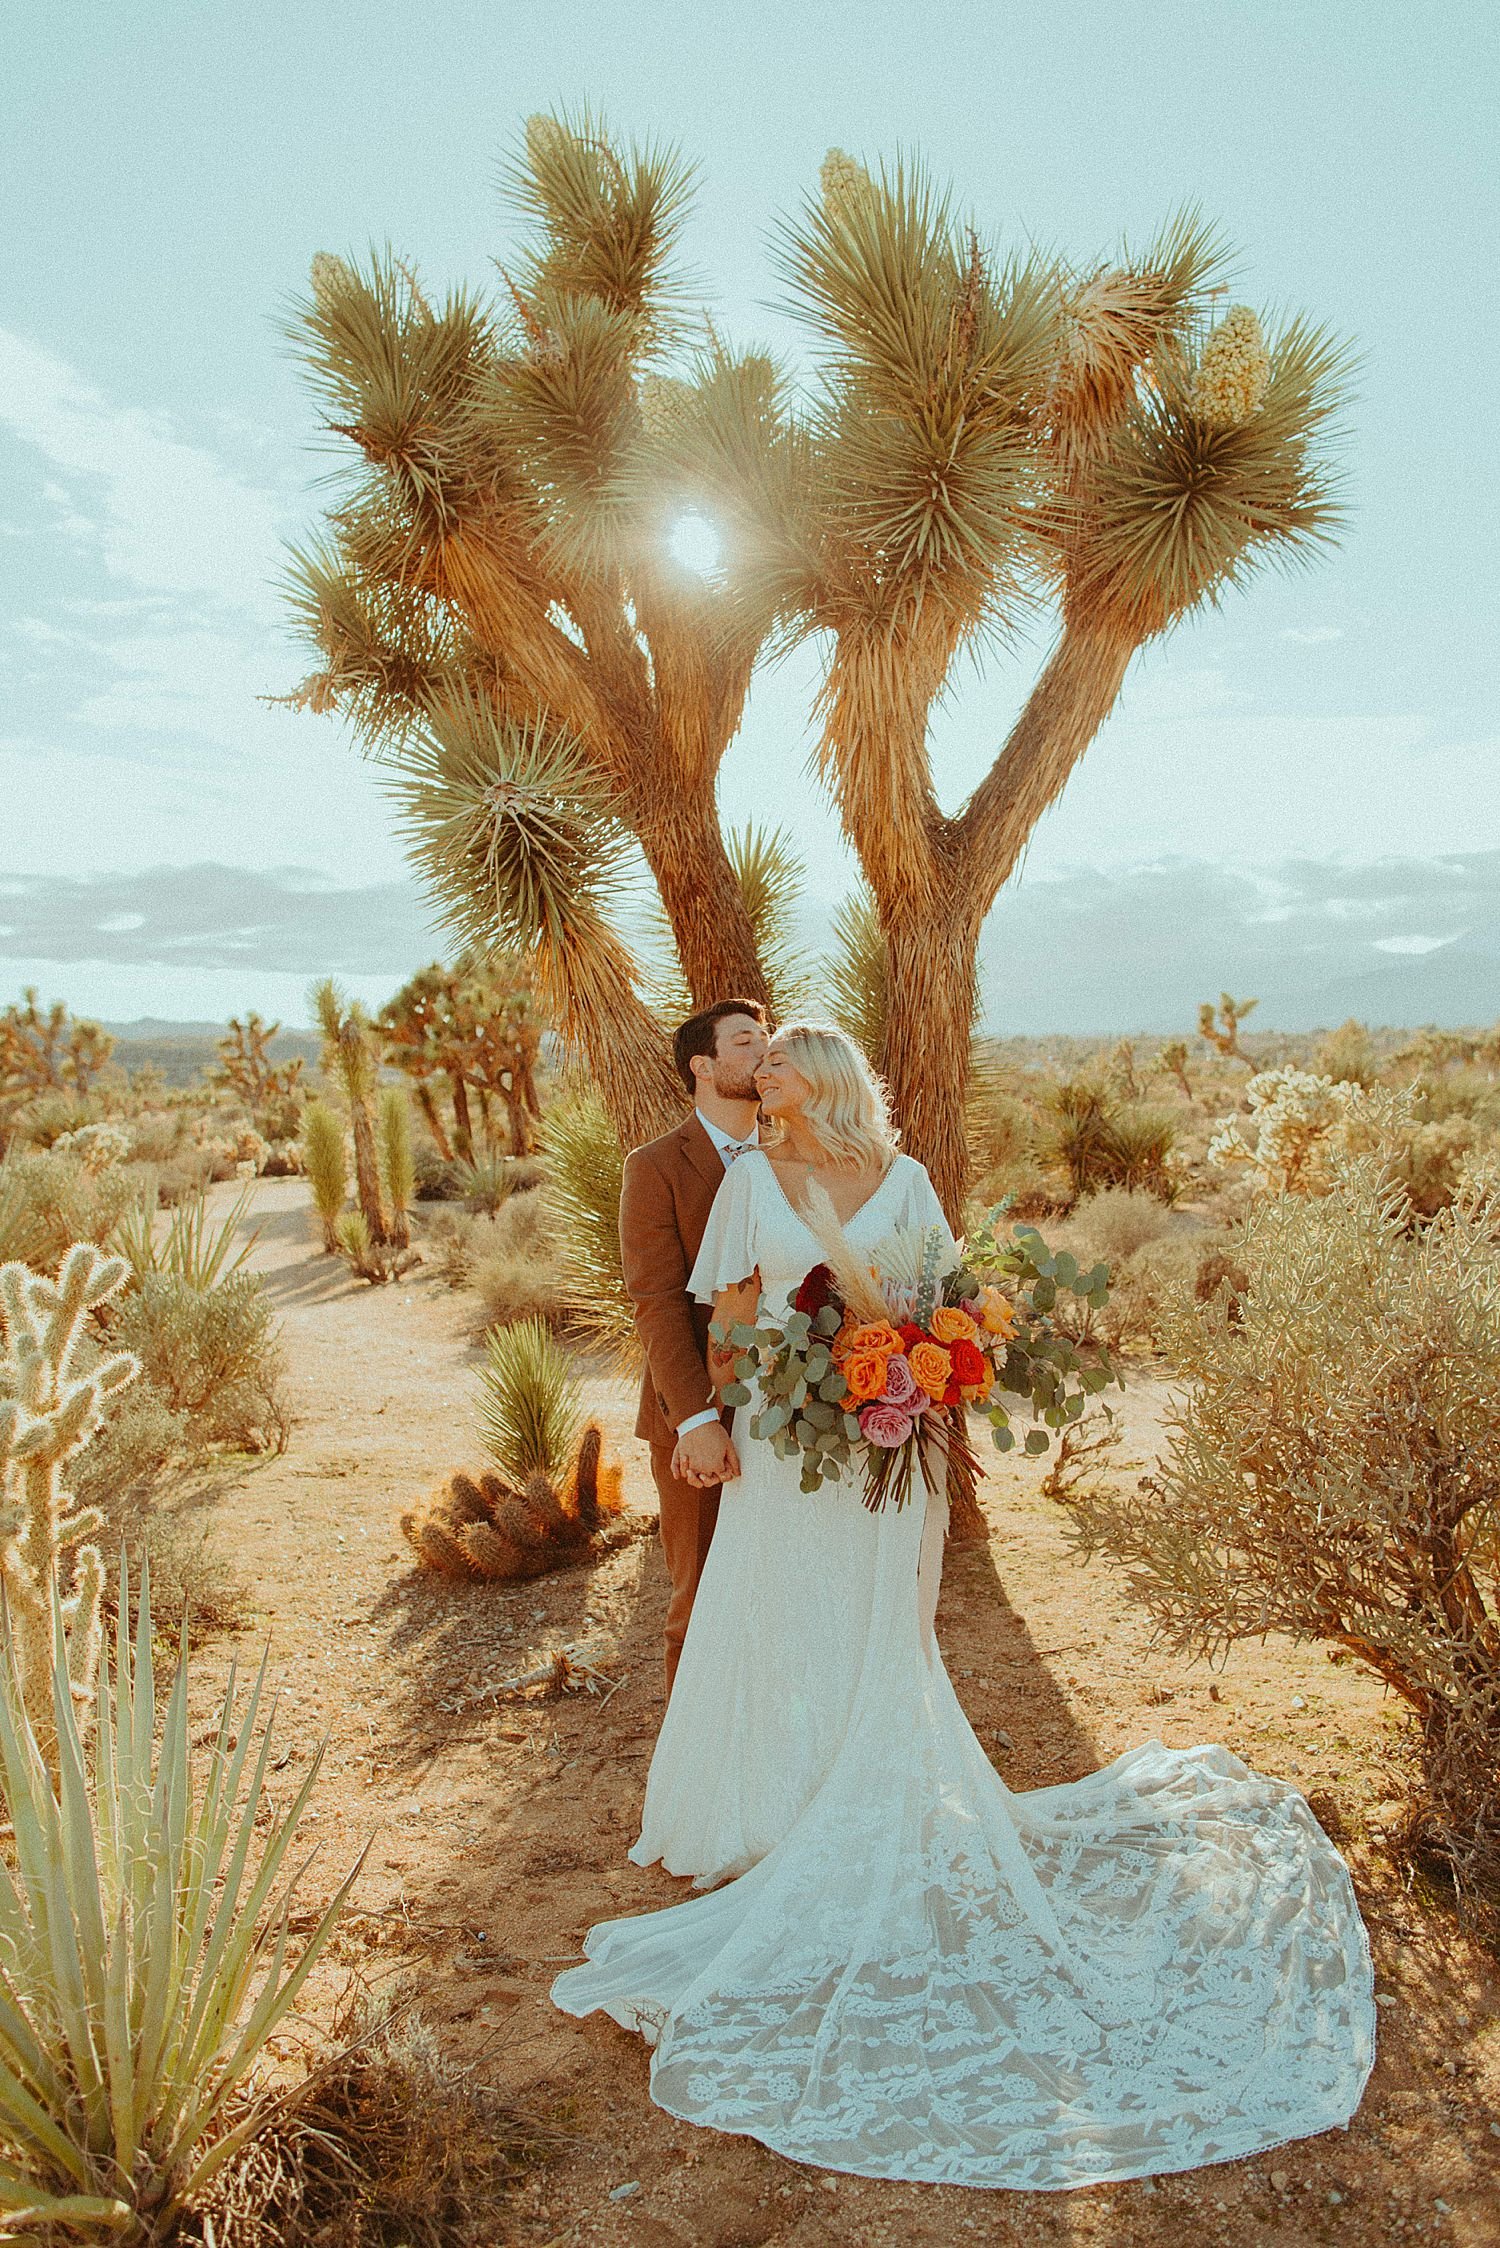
(846,1107)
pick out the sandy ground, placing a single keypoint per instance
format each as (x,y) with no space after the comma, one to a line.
(498,1824)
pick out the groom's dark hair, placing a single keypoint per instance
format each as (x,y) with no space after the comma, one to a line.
(700,1034)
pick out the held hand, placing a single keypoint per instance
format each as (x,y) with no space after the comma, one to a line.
(705,1457)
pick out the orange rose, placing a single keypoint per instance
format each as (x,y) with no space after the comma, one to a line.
(951,1324)
(865,1372)
(932,1367)
(843,1341)
(998,1313)
(882,1337)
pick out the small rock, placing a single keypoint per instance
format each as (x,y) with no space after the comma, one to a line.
(1298,1702)
(1334,2194)
(1442,2207)
(1385,1998)
(1214,1695)
(829,2185)
(1280,2180)
(623,2193)
(1002,1738)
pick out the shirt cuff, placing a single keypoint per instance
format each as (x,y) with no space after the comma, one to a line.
(697,1420)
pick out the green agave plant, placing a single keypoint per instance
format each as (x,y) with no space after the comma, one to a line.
(146,1949)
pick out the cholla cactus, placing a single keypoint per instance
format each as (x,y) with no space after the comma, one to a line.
(48,1411)
(845,183)
(96,1146)
(1234,372)
(1299,1122)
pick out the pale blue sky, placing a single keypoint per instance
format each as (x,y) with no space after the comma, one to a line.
(171,168)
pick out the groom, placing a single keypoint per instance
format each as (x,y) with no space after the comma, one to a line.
(667,1192)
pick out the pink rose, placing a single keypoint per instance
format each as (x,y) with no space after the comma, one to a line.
(885,1425)
(901,1386)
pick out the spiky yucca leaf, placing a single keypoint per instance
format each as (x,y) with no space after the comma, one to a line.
(146,1946)
(510,826)
(530,1401)
(326,1164)
(1117,322)
(585,1162)
(857,974)
(1180,510)
(607,224)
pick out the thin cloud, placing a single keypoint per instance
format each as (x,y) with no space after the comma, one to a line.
(168,516)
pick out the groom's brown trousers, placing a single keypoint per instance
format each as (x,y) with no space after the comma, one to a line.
(666,1194)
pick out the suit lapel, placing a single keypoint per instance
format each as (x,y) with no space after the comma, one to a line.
(702,1154)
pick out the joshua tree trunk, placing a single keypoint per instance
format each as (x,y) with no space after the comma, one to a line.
(434,1119)
(928,1032)
(684,847)
(463,1130)
(367,1167)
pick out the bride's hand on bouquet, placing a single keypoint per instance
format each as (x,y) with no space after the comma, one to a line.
(705,1456)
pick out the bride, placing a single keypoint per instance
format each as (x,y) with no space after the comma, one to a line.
(897,1966)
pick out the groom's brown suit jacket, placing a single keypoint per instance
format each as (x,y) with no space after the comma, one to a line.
(666,1194)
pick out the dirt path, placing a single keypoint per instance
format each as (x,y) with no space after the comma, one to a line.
(499,1827)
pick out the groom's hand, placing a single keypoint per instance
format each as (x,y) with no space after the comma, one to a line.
(705,1457)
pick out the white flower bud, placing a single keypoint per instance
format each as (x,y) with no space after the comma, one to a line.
(845,182)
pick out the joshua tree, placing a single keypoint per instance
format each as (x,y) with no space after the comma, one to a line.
(349,1054)
(270,1090)
(1173,1061)
(47,1053)
(499,614)
(1221,1029)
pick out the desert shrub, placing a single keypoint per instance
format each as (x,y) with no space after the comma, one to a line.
(389,2141)
(149,1953)
(516,1268)
(1101,1140)
(47,1202)
(1471,1093)
(1333,1467)
(1163,1278)
(1117,1221)
(398,1171)
(212,1354)
(1347,1055)
(159,1135)
(437,1175)
(490,1526)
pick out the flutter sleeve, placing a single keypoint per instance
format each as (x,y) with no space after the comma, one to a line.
(728,1254)
(923,1207)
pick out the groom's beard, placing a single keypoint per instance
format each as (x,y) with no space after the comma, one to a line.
(736,1088)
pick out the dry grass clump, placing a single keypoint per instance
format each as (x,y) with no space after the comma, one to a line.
(489,1526)
(1333,1467)
(510,1260)
(50,1200)
(389,2144)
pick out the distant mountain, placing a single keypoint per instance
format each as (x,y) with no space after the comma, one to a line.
(182,1051)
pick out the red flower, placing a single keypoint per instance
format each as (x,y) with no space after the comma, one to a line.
(911,1333)
(968,1364)
(815,1292)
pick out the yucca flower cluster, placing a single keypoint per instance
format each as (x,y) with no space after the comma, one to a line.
(878,1372)
(1233,373)
(663,399)
(845,183)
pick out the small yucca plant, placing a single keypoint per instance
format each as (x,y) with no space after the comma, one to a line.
(326,1165)
(398,1167)
(529,1401)
(190,1249)
(146,1949)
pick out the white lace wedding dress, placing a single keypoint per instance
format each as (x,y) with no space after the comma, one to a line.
(918,1974)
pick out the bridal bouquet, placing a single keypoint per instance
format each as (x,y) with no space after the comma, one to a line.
(881,1369)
